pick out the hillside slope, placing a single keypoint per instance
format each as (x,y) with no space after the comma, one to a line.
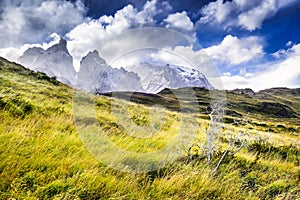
(42,156)
(267,110)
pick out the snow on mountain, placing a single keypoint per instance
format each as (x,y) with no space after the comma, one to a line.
(156,77)
(98,77)
(55,61)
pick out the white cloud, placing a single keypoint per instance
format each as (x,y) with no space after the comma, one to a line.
(216,12)
(175,57)
(153,56)
(27,21)
(248,15)
(226,74)
(243,72)
(289,43)
(235,51)
(280,53)
(167,5)
(87,36)
(140,40)
(198,59)
(282,73)
(253,18)
(146,15)
(179,21)
(93,34)
(232,51)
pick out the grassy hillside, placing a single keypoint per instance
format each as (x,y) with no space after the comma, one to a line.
(43,157)
(275,110)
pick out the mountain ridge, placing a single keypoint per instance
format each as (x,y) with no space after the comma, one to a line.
(56,61)
(156,77)
(98,77)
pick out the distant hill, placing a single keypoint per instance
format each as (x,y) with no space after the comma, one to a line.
(272,105)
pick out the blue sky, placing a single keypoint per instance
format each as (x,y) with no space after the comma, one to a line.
(253,43)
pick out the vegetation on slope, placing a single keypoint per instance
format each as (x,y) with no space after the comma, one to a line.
(42,156)
(275,110)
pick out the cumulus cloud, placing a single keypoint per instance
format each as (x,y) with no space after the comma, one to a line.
(87,36)
(179,21)
(253,18)
(32,19)
(248,15)
(234,51)
(145,16)
(30,22)
(281,73)
(216,12)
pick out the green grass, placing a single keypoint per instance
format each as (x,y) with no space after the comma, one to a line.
(43,157)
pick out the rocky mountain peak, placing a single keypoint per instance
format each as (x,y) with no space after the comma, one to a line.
(98,77)
(55,61)
(93,55)
(61,46)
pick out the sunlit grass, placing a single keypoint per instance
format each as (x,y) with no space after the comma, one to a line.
(43,156)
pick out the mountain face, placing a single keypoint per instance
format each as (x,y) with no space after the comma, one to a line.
(98,77)
(157,77)
(55,61)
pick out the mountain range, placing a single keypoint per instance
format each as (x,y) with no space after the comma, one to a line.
(97,76)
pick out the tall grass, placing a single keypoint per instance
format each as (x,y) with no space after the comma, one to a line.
(43,157)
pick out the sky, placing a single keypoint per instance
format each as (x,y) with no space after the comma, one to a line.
(252,44)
